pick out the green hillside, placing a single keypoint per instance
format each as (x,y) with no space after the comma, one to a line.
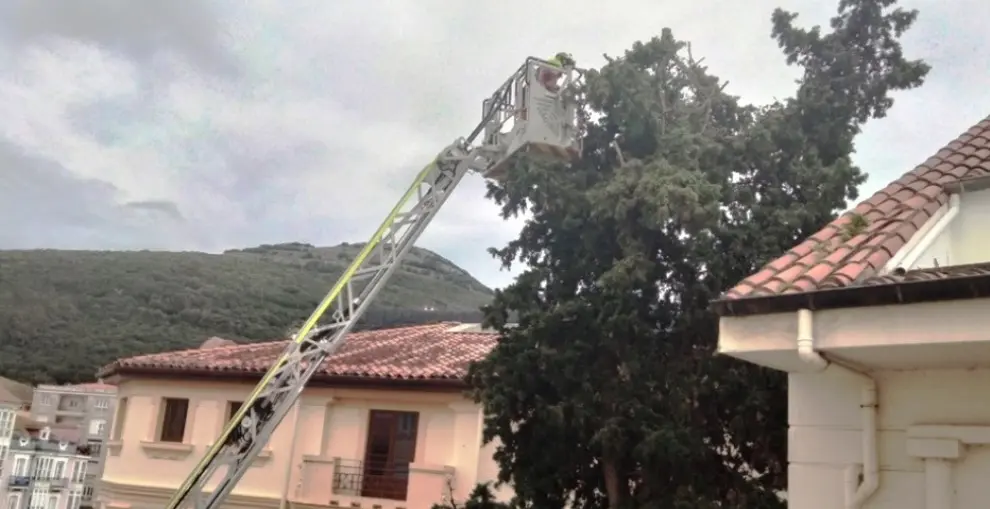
(65,313)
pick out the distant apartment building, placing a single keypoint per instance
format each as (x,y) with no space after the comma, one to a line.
(45,467)
(86,407)
(14,396)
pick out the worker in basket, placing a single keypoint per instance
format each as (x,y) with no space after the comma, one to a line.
(550,78)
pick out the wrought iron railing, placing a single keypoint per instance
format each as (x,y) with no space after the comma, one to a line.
(375,479)
(18,480)
(55,482)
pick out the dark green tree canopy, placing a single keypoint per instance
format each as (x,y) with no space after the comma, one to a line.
(607,393)
(65,314)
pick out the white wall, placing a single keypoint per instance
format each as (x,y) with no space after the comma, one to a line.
(824,436)
(967,238)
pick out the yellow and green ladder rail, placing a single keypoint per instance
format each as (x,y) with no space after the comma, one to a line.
(243,438)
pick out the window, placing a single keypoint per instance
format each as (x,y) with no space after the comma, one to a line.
(97,427)
(43,468)
(3,456)
(46,399)
(173,427)
(232,408)
(101,404)
(87,493)
(75,499)
(58,469)
(20,466)
(78,471)
(6,422)
(95,449)
(391,447)
(38,498)
(52,501)
(118,420)
(13,501)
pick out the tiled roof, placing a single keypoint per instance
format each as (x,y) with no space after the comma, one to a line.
(931,274)
(15,393)
(422,352)
(79,388)
(840,256)
(24,422)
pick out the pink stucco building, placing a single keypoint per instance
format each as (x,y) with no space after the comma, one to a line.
(384,424)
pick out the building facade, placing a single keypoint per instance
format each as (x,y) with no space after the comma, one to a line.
(882,329)
(45,470)
(14,397)
(86,407)
(383,424)
(8,414)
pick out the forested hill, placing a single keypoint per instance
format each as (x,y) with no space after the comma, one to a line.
(63,314)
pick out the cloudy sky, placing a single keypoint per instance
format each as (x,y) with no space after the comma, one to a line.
(145,125)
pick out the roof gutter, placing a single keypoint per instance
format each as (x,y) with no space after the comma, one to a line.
(971,286)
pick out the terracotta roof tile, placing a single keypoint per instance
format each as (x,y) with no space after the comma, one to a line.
(931,274)
(894,214)
(423,352)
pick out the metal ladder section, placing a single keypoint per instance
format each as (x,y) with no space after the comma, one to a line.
(251,427)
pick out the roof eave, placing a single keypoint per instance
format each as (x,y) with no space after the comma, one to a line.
(117,373)
(904,292)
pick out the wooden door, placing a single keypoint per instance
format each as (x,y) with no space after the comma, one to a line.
(391,447)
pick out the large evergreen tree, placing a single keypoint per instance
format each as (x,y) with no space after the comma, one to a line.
(607,392)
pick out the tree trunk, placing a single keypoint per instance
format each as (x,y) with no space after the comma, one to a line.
(613,484)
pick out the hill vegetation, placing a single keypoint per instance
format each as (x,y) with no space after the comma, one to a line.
(63,314)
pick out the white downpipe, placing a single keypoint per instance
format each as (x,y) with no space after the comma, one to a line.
(938,483)
(911,256)
(806,341)
(856,492)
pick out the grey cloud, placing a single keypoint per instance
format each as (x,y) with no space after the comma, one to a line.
(136,29)
(108,120)
(44,205)
(418,70)
(166,208)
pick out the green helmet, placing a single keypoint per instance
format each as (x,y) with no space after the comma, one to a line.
(565,59)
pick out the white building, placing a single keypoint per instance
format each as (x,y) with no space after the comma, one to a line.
(882,320)
(87,407)
(45,468)
(14,396)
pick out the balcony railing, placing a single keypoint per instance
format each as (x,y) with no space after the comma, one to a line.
(340,482)
(375,479)
(54,482)
(16,481)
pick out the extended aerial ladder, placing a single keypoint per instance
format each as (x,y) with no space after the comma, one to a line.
(527,113)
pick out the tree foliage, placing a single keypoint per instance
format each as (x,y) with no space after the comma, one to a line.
(63,314)
(607,392)
(481,497)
